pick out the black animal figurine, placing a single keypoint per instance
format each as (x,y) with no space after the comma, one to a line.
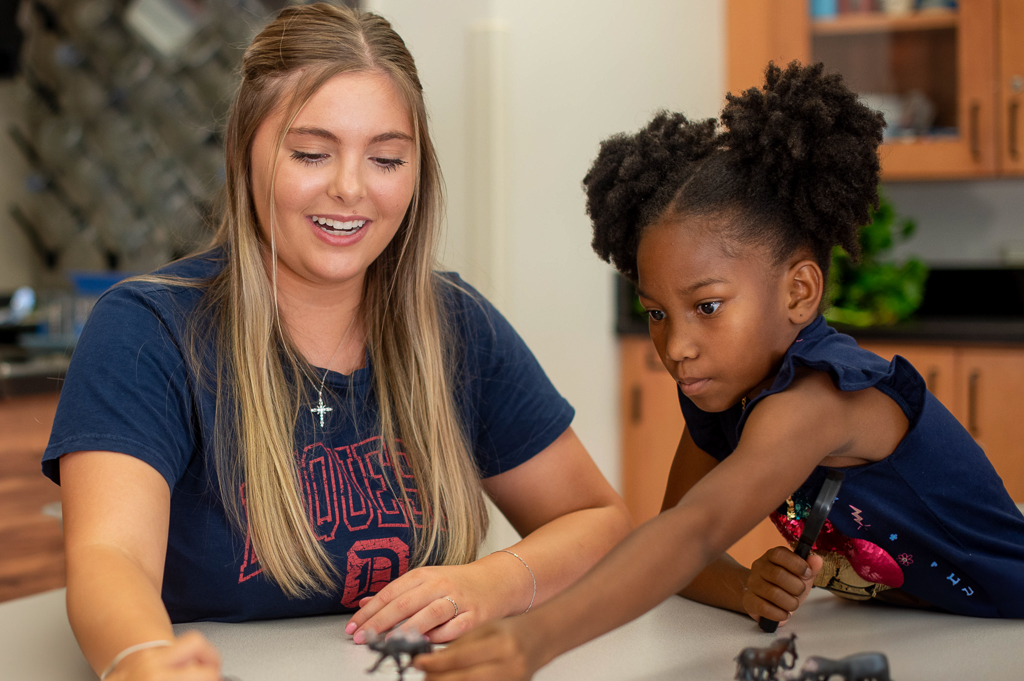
(858,667)
(762,664)
(401,647)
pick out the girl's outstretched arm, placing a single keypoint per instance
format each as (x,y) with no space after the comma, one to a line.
(566,512)
(785,438)
(777,583)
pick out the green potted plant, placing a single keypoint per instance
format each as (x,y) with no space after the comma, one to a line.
(876,291)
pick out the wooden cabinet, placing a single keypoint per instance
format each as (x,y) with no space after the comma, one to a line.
(982,387)
(952,80)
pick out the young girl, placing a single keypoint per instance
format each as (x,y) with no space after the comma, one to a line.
(304,418)
(729,235)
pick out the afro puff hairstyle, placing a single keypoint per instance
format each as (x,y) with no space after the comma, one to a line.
(795,164)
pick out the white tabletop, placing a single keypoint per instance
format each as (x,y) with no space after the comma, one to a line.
(678,640)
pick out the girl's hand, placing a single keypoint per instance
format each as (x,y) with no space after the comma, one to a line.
(190,658)
(421,596)
(497,651)
(778,583)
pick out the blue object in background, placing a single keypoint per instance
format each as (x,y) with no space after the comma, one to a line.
(824,9)
(94,284)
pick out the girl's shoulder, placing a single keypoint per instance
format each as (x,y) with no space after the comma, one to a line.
(820,348)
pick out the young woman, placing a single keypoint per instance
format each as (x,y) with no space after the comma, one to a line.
(729,233)
(305,418)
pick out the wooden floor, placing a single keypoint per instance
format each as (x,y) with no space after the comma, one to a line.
(31,542)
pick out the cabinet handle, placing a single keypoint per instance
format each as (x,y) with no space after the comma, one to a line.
(975,122)
(636,404)
(972,401)
(932,379)
(1011,135)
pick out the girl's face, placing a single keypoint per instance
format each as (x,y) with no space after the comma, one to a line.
(719,312)
(345,176)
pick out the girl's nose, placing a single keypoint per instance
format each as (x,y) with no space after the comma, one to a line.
(348,183)
(680,345)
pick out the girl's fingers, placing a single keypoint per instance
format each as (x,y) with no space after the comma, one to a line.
(758,607)
(484,672)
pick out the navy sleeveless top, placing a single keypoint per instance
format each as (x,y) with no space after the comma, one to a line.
(933,518)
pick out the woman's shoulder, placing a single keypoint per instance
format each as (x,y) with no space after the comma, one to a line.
(176,286)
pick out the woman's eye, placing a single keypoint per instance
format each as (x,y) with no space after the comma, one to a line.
(309,159)
(655,315)
(709,308)
(388,164)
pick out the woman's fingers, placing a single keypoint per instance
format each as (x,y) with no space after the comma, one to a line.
(423,606)
(190,658)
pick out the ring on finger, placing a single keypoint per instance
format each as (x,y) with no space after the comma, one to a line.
(456,605)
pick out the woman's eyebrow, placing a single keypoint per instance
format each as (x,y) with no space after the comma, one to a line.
(331,137)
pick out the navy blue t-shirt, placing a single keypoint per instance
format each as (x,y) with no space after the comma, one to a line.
(933,518)
(130,390)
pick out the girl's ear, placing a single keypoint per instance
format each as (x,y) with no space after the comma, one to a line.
(805,286)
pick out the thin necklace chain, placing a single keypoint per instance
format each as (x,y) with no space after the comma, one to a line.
(321,408)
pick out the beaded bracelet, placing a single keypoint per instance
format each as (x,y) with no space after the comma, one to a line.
(532,576)
(128,651)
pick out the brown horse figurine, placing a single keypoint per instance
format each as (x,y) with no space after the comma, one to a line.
(762,664)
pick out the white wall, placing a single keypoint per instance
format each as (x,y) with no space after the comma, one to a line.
(577,71)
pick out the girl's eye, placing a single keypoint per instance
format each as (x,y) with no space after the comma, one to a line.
(655,315)
(309,159)
(388,164)
(709,308)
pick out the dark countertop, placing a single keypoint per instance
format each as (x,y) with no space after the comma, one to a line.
(1006,331)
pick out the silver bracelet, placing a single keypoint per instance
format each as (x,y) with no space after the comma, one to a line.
(128,651)
(532,576)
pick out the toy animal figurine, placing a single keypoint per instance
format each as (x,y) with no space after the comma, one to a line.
(401,643)
(859,667)
(762,664)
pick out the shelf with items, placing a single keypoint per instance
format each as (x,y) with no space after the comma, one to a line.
(949,81)
(880,22)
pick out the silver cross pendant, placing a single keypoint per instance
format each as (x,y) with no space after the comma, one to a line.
(321,409)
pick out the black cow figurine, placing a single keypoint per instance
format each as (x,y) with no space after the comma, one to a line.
(402,646)
(858,667)
(762,664)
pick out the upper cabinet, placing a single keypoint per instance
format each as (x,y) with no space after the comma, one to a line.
(950,82)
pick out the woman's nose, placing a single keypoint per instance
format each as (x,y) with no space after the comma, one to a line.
(348,183)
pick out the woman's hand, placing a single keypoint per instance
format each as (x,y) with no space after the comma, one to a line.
(484,590)
(778,583)
(190,657)
(497,651)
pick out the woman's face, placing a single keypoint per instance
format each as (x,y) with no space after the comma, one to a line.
(345,176)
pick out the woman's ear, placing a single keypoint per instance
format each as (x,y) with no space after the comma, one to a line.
(805,285)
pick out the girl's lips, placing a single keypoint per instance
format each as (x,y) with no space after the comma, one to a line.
(693,387)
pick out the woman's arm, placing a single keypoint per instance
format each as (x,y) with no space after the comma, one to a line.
(568,515)
(116,510)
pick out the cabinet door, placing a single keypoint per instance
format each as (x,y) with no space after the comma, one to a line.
(651,426)
(932,71)
(936,363)
(989,388)
(1011,87)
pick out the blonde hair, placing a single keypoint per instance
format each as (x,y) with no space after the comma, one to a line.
(410,342)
